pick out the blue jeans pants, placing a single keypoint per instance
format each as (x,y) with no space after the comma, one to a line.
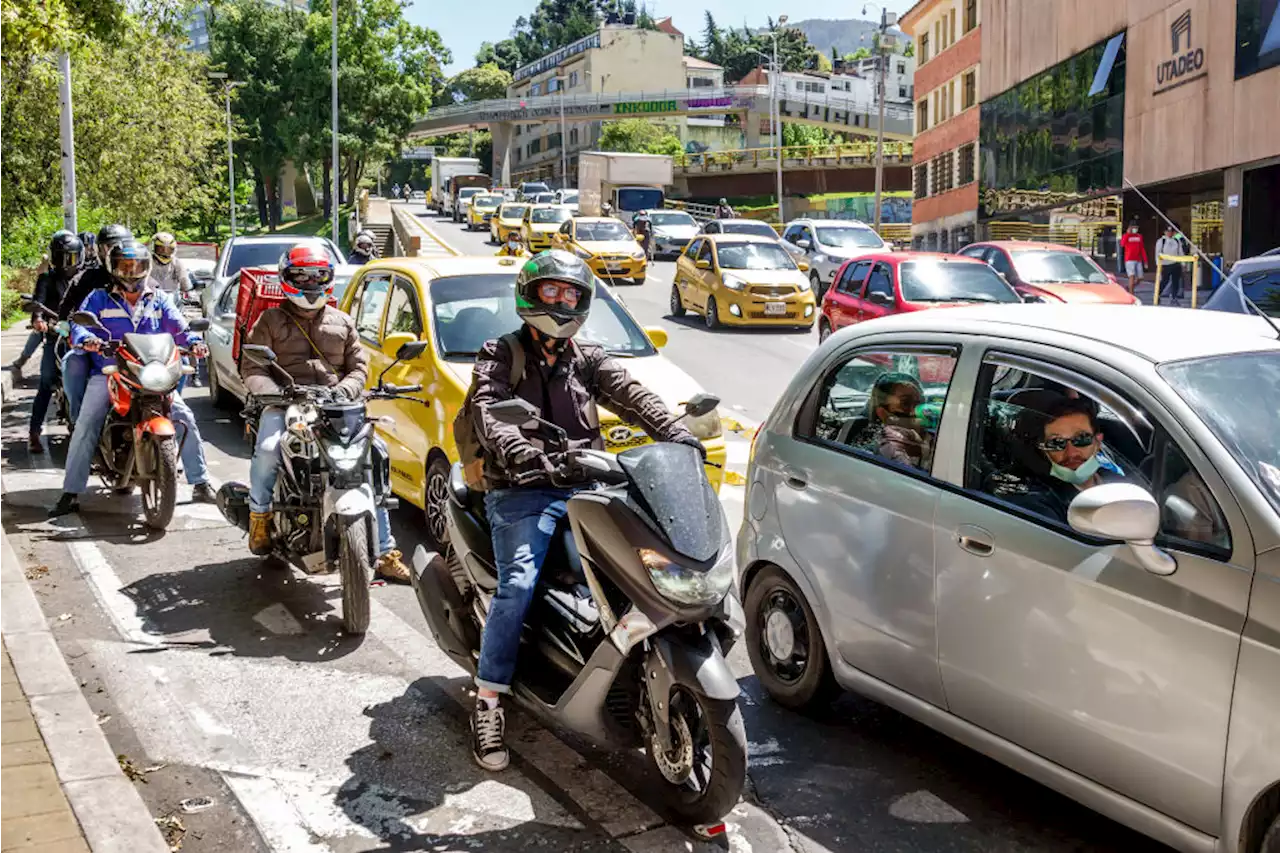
(75,376)
(29,348)
(524,522)
(48,379)
(88,429)
(266,463)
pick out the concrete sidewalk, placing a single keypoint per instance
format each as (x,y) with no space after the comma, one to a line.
(63,788)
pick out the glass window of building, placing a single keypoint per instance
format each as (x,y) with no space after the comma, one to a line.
(922,181)
(970,90)
(968,156)
(924,48)
(922,116)
(970,14)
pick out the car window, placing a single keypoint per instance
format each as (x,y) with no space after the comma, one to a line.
(949,281)
(880,281)
(753,256)
(1263,289)
(1057,268)
(852,278)
(1036,432)
(368,305)
(513,211)
(978,252)
(792,233)
(403,314)
(761,229)
(227,299)
(849,237)
(711,228)
(1000,263)
(884,403)
(704,253)
(691,251)
(603,231)
(806,234)
(266,253)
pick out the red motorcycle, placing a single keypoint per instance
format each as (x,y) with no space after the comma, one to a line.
(139,444)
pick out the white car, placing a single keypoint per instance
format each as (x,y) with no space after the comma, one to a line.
(568,198)
(825,244)
(418,195)
(265,251)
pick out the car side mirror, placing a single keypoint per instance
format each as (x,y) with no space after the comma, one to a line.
(1126,513)
(263,352)
(878,298)
(201,280)
(805,244)
(515,412)
(702,264)
(200,324)
(657,335)
(701,404)
(803,265)
(393,342)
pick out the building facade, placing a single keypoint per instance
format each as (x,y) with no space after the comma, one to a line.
(948,39)
(1083,102)
(899,85)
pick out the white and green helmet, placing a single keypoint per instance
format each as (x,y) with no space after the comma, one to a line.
(559,320)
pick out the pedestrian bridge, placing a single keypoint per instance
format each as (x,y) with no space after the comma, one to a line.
(837,111)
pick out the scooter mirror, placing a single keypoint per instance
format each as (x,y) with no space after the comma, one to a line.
(198,325)
(263,352)
(701,404)
(514,412)
(88,319)
(410,351)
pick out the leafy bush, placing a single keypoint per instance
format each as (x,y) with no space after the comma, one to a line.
(26,239)
(13,282)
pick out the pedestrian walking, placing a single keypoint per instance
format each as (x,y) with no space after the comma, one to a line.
(395,191)
(1170,245)
(1135,255)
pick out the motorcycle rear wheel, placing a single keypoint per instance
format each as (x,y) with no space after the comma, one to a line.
(711,744)
(160,490)
(355,567)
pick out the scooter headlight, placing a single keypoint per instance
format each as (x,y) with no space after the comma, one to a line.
(345,457)
(687,586)
(156,377)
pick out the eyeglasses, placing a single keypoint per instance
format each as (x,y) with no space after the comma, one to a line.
(552,292)
(1059,443)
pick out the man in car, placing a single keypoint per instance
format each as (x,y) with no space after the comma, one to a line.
(1063,430)
(897,433)
(564,379)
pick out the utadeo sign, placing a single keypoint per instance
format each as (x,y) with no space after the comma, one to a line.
(1185,61)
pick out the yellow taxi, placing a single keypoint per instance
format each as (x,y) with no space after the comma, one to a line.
(480,209)
(508,217)
(459,303)
(608,247)
(541,222)
(742,280)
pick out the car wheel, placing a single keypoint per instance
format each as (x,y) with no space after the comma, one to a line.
(638,280)
(221,397)
(1271,841)
(819,289)
(677,304)
(436,504)
(713,314)
(824,331)
(785,644)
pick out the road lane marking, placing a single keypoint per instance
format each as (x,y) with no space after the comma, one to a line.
(106,586)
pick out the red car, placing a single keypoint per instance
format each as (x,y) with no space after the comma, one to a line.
(1048,272)
(887,283)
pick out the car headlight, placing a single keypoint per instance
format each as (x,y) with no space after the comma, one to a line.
(706,426)
(733,282)
(820,258)
(689,586)
(155,377)
(345,457)
(582,253)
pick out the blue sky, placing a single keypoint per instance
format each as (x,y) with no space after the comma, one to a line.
(464,25)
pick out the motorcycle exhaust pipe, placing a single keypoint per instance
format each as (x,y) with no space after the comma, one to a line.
(233,503)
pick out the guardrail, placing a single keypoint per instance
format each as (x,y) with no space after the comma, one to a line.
(835,155)
(894,232)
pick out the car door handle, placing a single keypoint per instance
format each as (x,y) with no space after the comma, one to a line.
(795,478)
(975,540)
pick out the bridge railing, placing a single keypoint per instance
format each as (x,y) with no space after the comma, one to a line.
(821,156)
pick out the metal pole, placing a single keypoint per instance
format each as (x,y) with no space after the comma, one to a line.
(777,111)
(68,144)
(564,141)
(333,68)
(883,64)
(231,160)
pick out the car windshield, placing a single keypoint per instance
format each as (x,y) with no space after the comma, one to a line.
(548,215)
(1263,289)
(1057,268)
(545,198)
(197,251)
(848,237)
(661,219)
(266,253)
(472,309)
(487,202)
(601,231)
(1246,424)
(568,196)
(639,198)
(942,281)
(468,192)
(754,256)
(514,211)
(533,188)
(761,229)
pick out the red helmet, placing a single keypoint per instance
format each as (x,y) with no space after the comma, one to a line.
(306,276)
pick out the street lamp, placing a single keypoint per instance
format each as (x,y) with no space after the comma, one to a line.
(775,107)
(333,69)
(227,86)
(887,19)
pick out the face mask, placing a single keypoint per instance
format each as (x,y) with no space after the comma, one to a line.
(1079,476)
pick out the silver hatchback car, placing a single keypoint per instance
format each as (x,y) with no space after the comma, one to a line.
(1049,532)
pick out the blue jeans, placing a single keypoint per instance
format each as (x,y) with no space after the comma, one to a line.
(75,376)
(88,429)
(29,348)
(48,379)
(524,522)
(266,462)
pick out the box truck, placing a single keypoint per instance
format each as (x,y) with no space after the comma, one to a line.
(629,182)
(443,170)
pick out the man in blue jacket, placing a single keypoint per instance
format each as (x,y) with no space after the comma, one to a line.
(131,304)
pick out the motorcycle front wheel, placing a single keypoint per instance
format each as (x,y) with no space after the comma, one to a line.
(706,769)
(160,489)
(355,568)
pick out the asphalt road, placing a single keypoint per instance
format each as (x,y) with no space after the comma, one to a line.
(215,677)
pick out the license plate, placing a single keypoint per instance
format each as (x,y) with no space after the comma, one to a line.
(775,308)
(613,267)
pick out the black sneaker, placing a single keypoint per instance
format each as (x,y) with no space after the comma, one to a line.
(203,493)
(487,729)
(66,504)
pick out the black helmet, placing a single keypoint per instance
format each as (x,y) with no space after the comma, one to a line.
(555,320)
(90,242)
(109,235)
(129,263)
(65,252)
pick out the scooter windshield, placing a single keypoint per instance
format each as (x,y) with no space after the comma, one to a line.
(670,480)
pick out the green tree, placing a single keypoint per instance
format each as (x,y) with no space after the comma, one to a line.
(910,49)
(482,83)
(505,54)
(639,136)
(860,53)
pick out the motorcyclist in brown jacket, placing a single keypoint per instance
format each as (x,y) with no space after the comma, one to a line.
(564,379)
(316,344)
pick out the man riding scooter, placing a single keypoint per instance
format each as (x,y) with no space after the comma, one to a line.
(363,249)
(133,304)
(316,344)
(76,363)
(514,247)
(66,253)
(564,379)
